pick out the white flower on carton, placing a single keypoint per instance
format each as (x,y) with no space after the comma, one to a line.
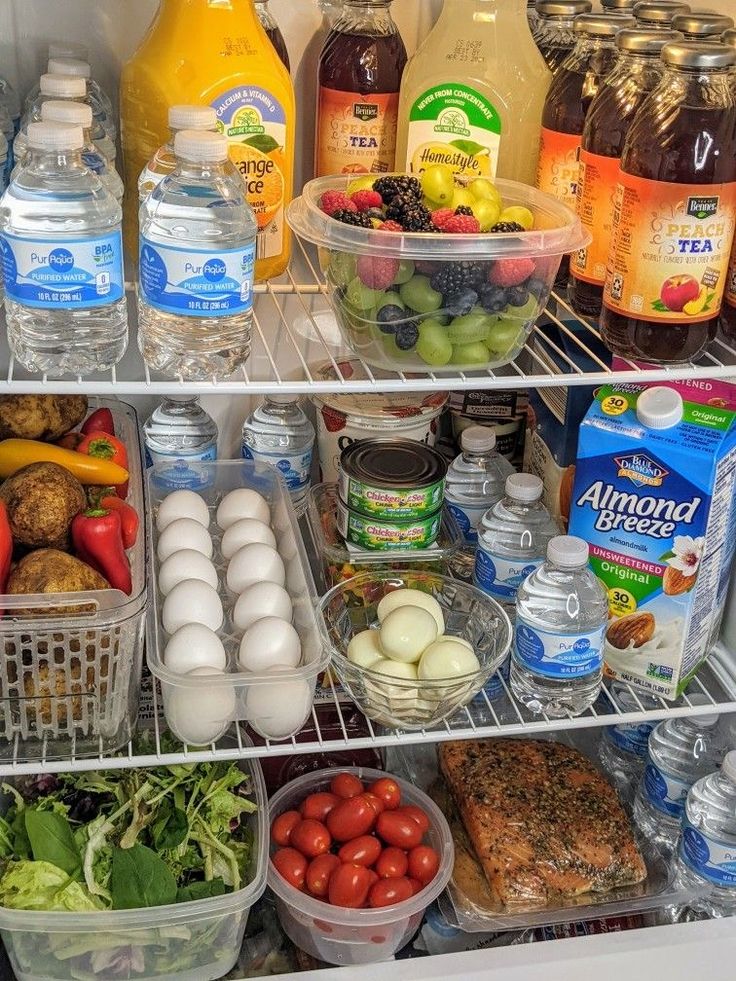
(687,553)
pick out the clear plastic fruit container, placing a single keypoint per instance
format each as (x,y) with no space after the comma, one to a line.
(356,936)
(469,301)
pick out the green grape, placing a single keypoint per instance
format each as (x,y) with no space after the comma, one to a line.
(438,184)
(487,212)
(406,271)
(420,296)
(474,326)
(505,336)
(470,354)
(361,297)
(483,190)
(462,198)
(390,300)
(434,346)
(529,311)
(361,184)
(342,268)
(522,216)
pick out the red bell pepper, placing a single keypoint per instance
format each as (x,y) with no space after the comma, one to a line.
(6,547)
(106,447)
(100,421)
(98,540)
(128,518)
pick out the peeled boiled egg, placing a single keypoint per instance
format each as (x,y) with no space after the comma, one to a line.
(242,503)
(446,658)
(406,631)
(269,642)
(202,713)
(279,709)
(245,532)
(186,564)
(384,695)
(184,533)
(254,563)
(194,646)
(411,597)
(192,601)
(365,649)
(262,599)
(182,504)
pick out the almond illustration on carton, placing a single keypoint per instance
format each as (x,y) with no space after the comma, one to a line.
(675,583)
(636,629)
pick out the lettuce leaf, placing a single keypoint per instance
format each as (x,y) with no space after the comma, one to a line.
(42,886)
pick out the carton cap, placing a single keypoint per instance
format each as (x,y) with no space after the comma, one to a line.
(659,408)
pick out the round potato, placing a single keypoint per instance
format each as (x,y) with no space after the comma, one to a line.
(50,571)
(44,417)
(42,500)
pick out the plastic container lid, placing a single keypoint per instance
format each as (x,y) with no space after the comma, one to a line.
(192,117)
(70,66)
(568,551)
(728,767)
(55,136)
(478,439)
(201,146)
(68,49)
(393,408)
(525,487)
(659,408)
(67,86)
(77,113)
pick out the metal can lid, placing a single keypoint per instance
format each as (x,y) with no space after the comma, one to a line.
(617,5)
(702,25)
(393,463)
(602,25)
(705,55)
(643,41)
(563,8)
(659,11)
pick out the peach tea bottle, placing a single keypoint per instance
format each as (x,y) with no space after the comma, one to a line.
(728,311)
(555,30)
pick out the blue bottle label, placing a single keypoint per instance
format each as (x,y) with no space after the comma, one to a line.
(73,273)
(468,519)
(631,738)
(664,791)
(555,655)
(296,470)
(501,577)
(95,162)
(182,473)
(710,858)
(197,283)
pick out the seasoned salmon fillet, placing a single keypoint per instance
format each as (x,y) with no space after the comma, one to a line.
(542,820)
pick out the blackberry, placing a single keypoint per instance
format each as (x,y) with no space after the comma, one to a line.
(462,302)
(406,336)
(388,317)
(389,187)
(455,275)
(507,226)
(464,210)
(357,218)
(409,213)
(493,299)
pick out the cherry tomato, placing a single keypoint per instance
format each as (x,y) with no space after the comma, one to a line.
(351,818)
(392,863)
(423,863)
(399,829)
(311,838)
(389,792)
(376,803)
(319,871)
(416,886)
(318,806)
(412,811)
(291,865)
(282,827)
(386,892)
(349,886)
(361,851)
(346,785)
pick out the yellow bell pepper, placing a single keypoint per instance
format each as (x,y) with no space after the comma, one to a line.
(18,453)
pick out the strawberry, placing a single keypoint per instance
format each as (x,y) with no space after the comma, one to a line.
(334,421)
(461,224)
(332,201)
(390,226)
(441,216)
(377,272)
(510,272)
(365,200)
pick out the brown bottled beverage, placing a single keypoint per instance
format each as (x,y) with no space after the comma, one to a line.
(638,70)
(555,29)
(675,211)
(658,14)
(728,310)
(360,71)
(271,27)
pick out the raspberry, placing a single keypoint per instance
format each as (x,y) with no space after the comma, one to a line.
(390,226)
(461,224)
(365,200)
(377,272)
(334,421)
(442,215)
(332,201)
(510,272)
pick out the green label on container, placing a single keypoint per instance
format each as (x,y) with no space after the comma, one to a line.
(394,504)
(379,535)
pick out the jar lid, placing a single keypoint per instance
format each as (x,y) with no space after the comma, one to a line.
(702,25)
(640,40)
(602,25)
(394,407)
(563,8)
(706,55)
(659,11)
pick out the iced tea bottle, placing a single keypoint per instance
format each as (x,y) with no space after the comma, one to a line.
(638,70)
(675,211)
(699,26)
(658,14)
(555,33)
(360,70)
(271,27)
(728,310)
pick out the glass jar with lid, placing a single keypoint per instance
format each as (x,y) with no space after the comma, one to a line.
(555,29)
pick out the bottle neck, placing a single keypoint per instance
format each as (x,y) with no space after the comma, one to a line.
(366,17)
(179,404)
(698,89)
(200,170)
(47,160)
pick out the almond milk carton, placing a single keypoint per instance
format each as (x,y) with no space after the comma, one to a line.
(654,499)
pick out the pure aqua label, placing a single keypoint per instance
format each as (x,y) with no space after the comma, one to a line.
(468,518)
(296,469)
(710,858)
(501,577)
(73,273)
(197,283)
(181,473)
(664,791)
(556,655)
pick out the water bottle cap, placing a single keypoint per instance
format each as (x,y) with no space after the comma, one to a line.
(70,66)
(524,487)
(64,86)
(55,136)
(68,49)
(200,147)
(192,117)
(568,552)
(659,408)
(478,439)
(77,113)
(728,767)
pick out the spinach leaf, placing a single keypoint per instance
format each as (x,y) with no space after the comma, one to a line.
(170,828)
(139,878)
(52,841)
(201,890)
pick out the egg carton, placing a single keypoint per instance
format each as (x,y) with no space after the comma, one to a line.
(275,705)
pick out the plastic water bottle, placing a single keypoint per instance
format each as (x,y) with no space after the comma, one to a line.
(10,97)
(59,88)
(101,105)
(7,128)
(706,853)
(163,162)
(279,434)
(197,255)
(180,433)
(62,256)
(79,114)
(512,539)
(680,752)
(57,49)
(623,748)
(561,619)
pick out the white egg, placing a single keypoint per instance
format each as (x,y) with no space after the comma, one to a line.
(186,564)
(184,533)
(395,669)
(182,504)
(201,714)
(411,597)
(278,710)
(365,649)
(382,695)
(194,646)
(262,599)
(245,532)
(269,642)
(254,563)
(447,659)
(406,632)
(192,601)
(242,503)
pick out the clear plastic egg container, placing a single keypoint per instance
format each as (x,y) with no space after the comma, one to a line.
(275,702)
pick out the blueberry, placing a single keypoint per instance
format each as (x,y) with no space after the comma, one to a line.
(493,299)
(407,336)
(389,316)
(517,295)
(376,214)
(461,302)
(537,287)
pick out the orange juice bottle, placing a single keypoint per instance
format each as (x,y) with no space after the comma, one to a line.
(215,52)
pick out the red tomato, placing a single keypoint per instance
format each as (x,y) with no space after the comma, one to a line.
(319,871)
(291,865)
(392,863)
(282,827)
(318,806)
(346,785)
(386,892)
(423,863)
(399,829)
(412,811)
(376,803)
(349,886)
(416,886)
(351,818)
(311,838)
(389,792)
(361,851)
